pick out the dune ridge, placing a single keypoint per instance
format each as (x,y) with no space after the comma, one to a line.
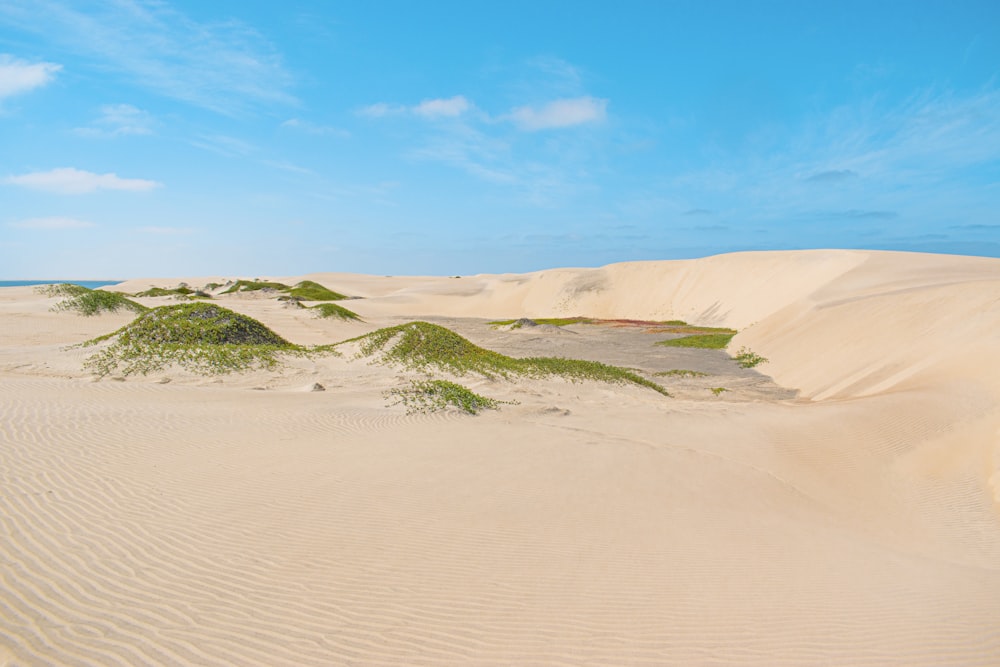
(247,520)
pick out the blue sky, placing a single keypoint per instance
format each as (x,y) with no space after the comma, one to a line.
(142,137)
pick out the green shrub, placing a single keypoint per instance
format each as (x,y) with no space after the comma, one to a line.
(718,390)
(747,359)
(680,373)
(254,285)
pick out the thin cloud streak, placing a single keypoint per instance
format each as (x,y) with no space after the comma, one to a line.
(226,67)
(51,223)
(70,181)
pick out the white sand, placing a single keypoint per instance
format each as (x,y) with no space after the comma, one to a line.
(203,522)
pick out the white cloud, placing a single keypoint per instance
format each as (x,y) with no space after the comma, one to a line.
(224,145)
(119,119)
(225,66)
(69,181)
(451,107)
(52,223)
(380,109)
(560,113)
(19,76)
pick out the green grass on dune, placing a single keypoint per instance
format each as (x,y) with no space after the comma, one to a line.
(421,345)
(255,285)
(161,291)
(201,337)
(712,341)
(307,290)
(89,302)
(62,289)
(334,310)
(554,321)
(435,395)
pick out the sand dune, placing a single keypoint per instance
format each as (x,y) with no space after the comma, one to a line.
(842,506)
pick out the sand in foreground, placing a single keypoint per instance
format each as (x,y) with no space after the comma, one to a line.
(843,510)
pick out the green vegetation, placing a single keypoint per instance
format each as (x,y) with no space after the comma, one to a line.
(333,310)
(711,341)
(675,323)
(93,302)
(747,359)
(421,345)
(718,390)
(61,289)
(677,372)
(434,395)
(160,291)
(212,286)
(554,321)
(254,285)
(307,290)
(200,337)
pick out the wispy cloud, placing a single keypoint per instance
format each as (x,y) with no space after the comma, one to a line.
(51,223)
(70,181)
(226,66)
(117,120)
(224,145)
(451,107)
(315,129)
(165,231)
(19,76)
(560,113)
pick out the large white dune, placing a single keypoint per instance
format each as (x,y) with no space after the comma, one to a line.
(204,522)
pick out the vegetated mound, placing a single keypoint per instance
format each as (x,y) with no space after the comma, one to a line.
(435,395)
(334,310)
(201,337)
(90,302)
(161,291)
(307,290)
(421,345)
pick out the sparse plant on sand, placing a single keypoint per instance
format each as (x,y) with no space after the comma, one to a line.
(422,345)
(679,372)
(334,310)
(89,302)
(748,359)
(61,289)
(435,395)
(718,390)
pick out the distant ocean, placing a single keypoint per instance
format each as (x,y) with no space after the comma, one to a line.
(90,284)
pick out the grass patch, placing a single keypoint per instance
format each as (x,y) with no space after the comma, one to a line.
(61,289)
(307,290)
(748,359)
(679,372)
(435,395)
(94,302)
(160,291)
(333,310)
(718,390)
(255,285)
(711,341)
(201,337)
(421,345)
